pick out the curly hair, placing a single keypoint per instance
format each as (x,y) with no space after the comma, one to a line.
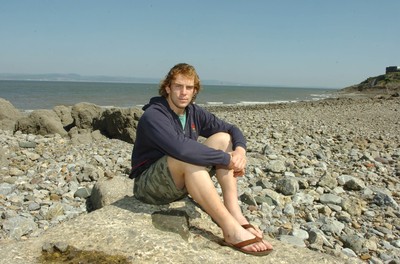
(184,69)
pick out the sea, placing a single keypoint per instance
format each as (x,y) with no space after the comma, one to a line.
(32,95)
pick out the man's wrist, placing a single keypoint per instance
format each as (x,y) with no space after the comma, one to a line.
(240,150)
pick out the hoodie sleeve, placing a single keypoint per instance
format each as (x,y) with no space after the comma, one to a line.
(162,135)
(210,124)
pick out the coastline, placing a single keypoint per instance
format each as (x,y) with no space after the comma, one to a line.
(46,95)
(330,166)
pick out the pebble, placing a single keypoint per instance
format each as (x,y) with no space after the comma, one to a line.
(344,159)
(45,180)
(322,175)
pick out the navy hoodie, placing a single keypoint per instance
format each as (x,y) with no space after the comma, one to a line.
(160,133)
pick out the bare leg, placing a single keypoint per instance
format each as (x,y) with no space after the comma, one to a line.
(201,188)
(229,183)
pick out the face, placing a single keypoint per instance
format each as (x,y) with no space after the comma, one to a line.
(180,93)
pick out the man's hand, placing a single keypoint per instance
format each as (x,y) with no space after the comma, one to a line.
(238,161)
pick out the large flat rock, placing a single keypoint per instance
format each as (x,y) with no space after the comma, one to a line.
(125,228)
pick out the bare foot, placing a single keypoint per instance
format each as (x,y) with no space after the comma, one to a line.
(252,229)
(242,235)
(257,232)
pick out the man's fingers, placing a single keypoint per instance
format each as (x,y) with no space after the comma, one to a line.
(239,173)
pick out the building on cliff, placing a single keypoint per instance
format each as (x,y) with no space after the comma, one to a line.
(392,69)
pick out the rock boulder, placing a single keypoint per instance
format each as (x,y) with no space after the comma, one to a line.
(86,115)
(120,123)
(109,190)
(64,113)
(129,228)
(41,122)
(8,115)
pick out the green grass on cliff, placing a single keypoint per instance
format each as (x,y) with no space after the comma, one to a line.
(386,83)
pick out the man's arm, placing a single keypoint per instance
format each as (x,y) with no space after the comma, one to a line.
(161,134)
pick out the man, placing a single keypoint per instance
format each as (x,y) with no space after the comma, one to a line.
(168,163)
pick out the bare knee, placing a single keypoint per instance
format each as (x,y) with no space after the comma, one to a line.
(220,140)
(179,170)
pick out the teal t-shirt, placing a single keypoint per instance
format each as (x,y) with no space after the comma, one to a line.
(182,118)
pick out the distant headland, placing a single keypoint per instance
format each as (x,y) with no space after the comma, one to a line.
(385,84)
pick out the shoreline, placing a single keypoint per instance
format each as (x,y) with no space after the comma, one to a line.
(248,105)
(47,96)
(361,98)
(206,105)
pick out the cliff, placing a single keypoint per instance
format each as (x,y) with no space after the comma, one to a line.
(386,84)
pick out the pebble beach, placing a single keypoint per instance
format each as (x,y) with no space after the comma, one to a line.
(324,175)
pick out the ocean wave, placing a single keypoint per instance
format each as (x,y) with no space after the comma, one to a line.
(321,95)
(214,103)
(252,102)
(265,102)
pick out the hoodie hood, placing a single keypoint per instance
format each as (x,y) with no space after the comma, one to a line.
(158,100)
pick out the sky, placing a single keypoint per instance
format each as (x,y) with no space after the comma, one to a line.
(307,43)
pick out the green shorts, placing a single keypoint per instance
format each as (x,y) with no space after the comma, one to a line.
(156,186)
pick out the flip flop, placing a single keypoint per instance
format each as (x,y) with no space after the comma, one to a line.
(239,246)
(247,226)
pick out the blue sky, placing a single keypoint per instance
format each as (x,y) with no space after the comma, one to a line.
(281,42)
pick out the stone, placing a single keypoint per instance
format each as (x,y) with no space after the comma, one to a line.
(86,115)
(349,252)
(109,190)
(353,206)
(353,242)
(289,209)
(64,113)
(33,206)
(293,240)
(80,136)
(287,186)
(248,198)
(82,192)
(276,166)
(354,184)
(300,233)
(120,123)
(384,199)
(61,246)
(6,188)
(303,199)
(330,199)
(330,225)
(343,179)
(55,210)
(328,181)
(27,144)
(19,226)
(42,122)
(8,115)
(176,221)
(128,226)
(308,171)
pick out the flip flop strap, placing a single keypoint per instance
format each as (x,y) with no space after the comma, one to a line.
(247,226)
(247,242)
